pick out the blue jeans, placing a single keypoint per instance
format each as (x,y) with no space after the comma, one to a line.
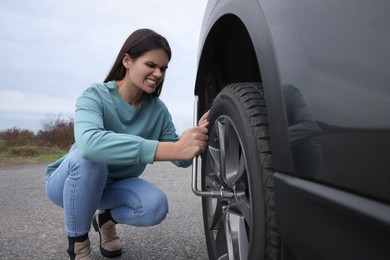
(80,187)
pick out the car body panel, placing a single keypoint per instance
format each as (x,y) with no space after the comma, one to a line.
(321,222)
(338,55)
(339,65)
(324,67)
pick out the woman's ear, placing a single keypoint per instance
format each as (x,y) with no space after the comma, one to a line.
(126,61)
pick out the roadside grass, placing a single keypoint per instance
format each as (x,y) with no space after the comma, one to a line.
(29,154)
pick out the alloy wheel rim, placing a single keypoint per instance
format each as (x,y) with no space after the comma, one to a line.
(229,219)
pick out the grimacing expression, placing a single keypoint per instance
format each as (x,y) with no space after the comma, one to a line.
(148,70)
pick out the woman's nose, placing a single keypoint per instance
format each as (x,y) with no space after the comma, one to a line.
(157,72)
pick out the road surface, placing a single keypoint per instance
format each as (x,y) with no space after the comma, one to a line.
(31,227)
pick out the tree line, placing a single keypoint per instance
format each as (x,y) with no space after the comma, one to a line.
(55,132)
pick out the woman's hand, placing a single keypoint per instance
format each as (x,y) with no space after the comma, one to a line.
(204,118)
(194,140)
(191,143)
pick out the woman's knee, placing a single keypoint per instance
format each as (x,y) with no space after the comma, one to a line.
(156,211)
(75,169)
(54,194)
(76,158)
(148,213)
(86,168)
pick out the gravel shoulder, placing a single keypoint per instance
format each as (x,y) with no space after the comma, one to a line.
(32,227)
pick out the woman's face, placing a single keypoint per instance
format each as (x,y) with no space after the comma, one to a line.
(148,70)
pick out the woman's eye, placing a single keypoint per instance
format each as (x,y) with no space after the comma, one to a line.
(152,66)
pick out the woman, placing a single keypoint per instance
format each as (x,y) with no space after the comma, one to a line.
(120,126)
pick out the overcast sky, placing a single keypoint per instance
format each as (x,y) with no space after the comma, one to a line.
(52,50)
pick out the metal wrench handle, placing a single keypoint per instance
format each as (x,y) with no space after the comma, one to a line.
(194,185)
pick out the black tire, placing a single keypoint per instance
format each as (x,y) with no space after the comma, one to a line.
(238,159)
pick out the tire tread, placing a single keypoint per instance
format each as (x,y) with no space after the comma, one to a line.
(252,99)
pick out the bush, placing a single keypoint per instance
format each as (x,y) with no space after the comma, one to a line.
(2,143)
(53,141)
(24,151)
(17,137)
(56,132)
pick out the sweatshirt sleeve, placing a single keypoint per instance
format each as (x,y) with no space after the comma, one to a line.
(99,145)
(169,134)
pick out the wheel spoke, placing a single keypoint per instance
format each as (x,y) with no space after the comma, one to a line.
(233,151)
(229,151)
(241,168)
(222,139)
(243,208)
(236,236)
(215,162)
(220,241)
(215,213)
(229,220)
(213,177)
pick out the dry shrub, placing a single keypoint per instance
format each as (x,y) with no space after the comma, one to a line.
(56,132)
(17,137)
(24,151)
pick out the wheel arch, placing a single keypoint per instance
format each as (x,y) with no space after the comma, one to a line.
(238,50)
(227,56)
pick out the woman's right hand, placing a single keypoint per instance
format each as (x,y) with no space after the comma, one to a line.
(193,142)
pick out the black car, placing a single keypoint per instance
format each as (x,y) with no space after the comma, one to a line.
(298,159)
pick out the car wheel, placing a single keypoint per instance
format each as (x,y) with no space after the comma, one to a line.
(238,160)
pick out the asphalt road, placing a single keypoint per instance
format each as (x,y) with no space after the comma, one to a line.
(31,227)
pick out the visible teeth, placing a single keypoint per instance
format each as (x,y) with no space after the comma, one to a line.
(151,81)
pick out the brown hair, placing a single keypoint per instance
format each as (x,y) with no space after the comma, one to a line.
(139,42)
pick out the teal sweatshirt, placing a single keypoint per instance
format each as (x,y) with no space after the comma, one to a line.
(108,130)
